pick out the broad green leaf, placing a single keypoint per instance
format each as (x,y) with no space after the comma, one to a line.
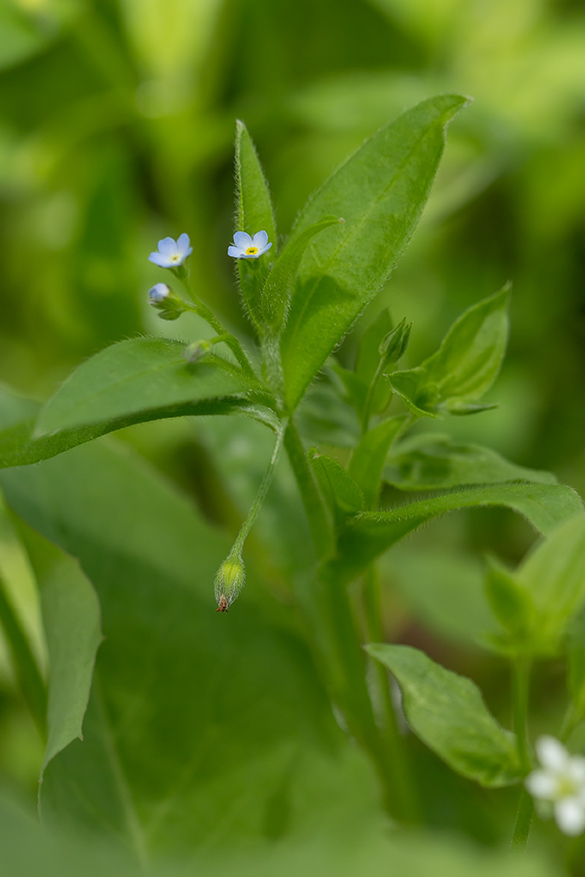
(368,534)
(146,379)
(554,576)
(380,191)
(193,732)
(279,285)
(448,713)
(324,418)
(340,489)
(370,455)
(465,365)
(429,461)
(71,615)
(254,214)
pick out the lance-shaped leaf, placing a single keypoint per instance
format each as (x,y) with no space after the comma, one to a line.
(279,286)
(71,616)
(465,365)
(448,713)
(255,213)
(145,379)
(380,191)
(370,455)
(430,462)
(554,576)
(366,535)
(340,490)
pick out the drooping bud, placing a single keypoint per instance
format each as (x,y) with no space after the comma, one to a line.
(229,581)
(394,344)
(166,302)
(193,352)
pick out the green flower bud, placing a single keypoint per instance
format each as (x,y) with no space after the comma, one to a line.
(193,352)
(229,581)
(394,344)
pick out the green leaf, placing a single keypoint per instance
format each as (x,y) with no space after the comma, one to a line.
(465,365)
(430,461)
(511,604)
(380,191)
(71,615)
(576,658)
(554,576)
(368,534)
(448,713)
(145,379)
(370,455)
(340,489)
(254,214)
(279,286)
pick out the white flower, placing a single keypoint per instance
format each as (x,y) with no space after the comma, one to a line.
(172,253)
(561,781)
(158,293)
(247,247)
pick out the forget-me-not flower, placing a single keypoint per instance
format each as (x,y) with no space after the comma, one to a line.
(172,253)
(560,780)
(247,247)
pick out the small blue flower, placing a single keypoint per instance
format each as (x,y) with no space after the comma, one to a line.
(172,253)
(159,292)
(247,247)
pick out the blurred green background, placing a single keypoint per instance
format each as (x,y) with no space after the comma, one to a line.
(116,129)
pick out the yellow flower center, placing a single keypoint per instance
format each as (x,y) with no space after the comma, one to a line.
(251,251)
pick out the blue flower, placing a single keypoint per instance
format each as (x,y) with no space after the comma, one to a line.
(247,247)
(172,253)
(159,292)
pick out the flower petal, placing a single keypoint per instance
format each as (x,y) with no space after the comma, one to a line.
(576,769)
(260,239)
(552,754)
(242,239)
(570,816)
(541,784)
(167,246)
(234,252)
(264,249)
(159,292)
(159,259)
(183,245)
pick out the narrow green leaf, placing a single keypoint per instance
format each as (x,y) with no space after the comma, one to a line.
(26,667)
(370,455)
(465,365)
(145,379)
(576,659)
(554,576)
(429,462)
(380,192)
(511,604)
(341,490)
(279,285)
(368,534)
(254,214)
(71,616)
(448,713)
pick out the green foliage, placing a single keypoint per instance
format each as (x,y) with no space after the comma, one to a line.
(447,712)
(463,368)
(380,193)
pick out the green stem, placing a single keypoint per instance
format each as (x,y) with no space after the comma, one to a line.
(397,758)
(260,496)
(207,314)
(523,821)
(320,522)
(520,694)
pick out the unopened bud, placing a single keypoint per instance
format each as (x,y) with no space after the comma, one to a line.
(196,350)
(394,344)
(229,581)
(167,302)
